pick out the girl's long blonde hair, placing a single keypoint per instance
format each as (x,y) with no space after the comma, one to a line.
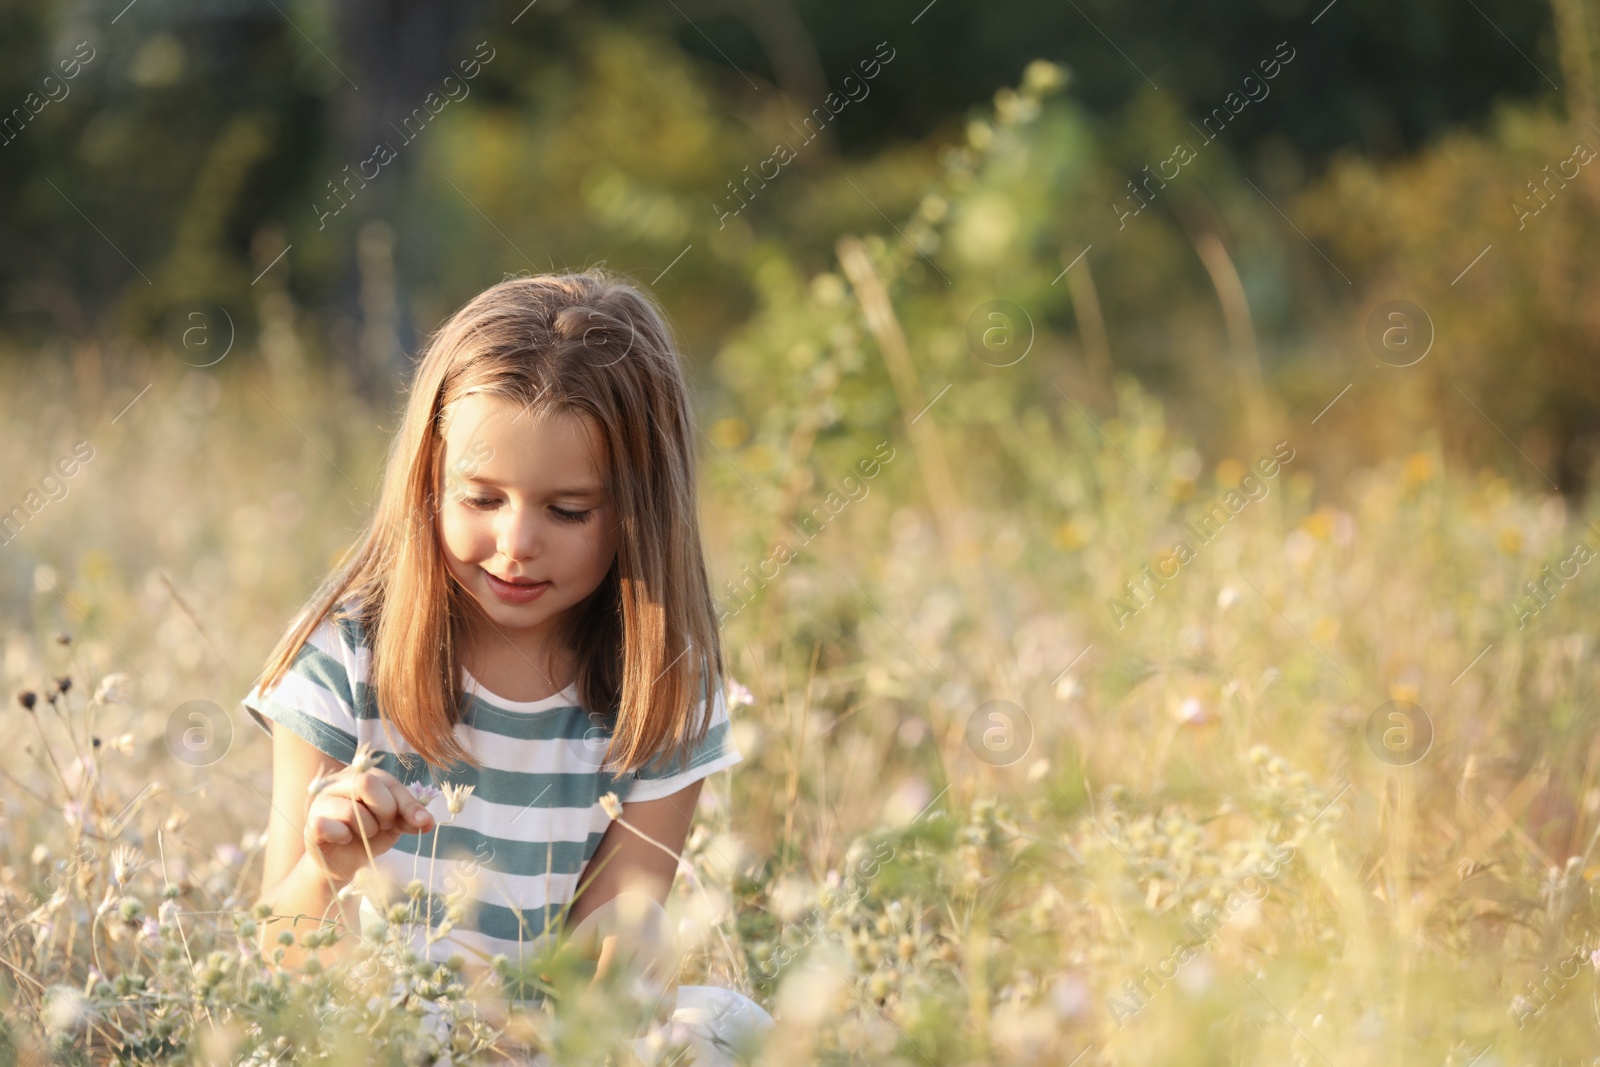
(586,344)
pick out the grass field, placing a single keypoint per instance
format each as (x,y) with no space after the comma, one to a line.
(1313,791)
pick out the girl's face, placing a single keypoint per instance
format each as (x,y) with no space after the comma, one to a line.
(525,521)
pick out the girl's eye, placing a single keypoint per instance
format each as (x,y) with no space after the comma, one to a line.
(571,516)
(479,503)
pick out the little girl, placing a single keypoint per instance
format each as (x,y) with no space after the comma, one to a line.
(529,612)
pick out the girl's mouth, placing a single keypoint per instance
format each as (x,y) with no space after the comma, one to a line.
(515,593)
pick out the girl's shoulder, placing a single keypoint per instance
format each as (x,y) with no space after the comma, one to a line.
(322,695)
(343,628)
(338,645)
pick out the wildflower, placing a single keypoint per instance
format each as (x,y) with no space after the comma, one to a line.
(63,638)
(66,1009)
(425,793)
(611,805)
(64,683)
(455,797)
(122,743)
(1419,468)
(364,760)
(1192,713)
(114,688)
(126,862)
(28,699)
(738,695)
(319,783)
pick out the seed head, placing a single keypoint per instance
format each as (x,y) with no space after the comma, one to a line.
(364,759)
(611,805)
(455,798)
(28,698)
(64,682)
(114,688)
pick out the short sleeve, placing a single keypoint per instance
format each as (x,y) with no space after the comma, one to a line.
(315,698)
(662,777)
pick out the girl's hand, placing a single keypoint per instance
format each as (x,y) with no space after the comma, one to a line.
(372,803)
(629,933)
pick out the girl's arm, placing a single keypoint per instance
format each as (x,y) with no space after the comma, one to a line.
(315,847)
(625,861)
(291,881)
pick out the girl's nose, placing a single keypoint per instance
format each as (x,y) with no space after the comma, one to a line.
(519,536)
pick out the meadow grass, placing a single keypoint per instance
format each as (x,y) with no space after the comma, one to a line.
(1215,846)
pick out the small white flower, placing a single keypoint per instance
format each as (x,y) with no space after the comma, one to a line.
(611,805)
(66,1010)
(114,688)
(364,760)
(126,862)
(455,797)
(738,695)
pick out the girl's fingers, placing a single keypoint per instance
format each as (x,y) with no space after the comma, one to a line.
(352,815)
(371,790)
(330,831)
(412,816)
(383,794)
(374,792)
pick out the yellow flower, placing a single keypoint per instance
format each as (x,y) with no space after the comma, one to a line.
(1319,523)
(729,432)
(1070,536)
(1229,471)
(1419,468)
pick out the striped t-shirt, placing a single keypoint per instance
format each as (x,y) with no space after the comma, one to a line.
(514,855)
